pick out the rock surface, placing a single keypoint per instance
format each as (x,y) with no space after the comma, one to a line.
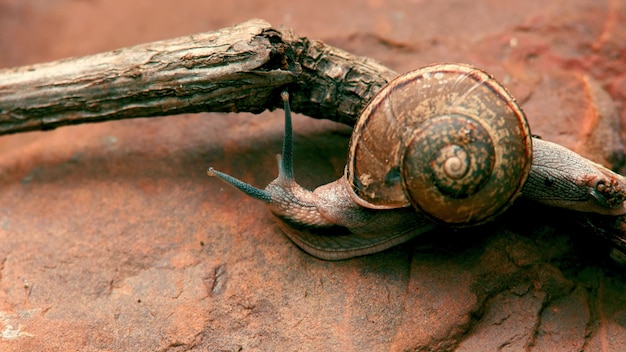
(112,237)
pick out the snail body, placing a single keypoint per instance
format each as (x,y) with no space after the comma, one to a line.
(444,144)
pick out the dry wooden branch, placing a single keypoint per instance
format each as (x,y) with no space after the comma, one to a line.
(236,69)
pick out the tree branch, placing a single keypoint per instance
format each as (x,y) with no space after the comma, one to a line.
(235,69)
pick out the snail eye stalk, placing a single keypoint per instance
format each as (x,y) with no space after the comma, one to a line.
(246,188)
(285,163)
(285,166)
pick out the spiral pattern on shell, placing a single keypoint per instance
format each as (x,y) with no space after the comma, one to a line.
(448,139)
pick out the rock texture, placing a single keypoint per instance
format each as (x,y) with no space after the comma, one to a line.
(112,237)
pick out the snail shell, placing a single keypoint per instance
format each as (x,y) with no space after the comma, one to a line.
(448,139)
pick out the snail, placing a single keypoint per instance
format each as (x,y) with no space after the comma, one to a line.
(442,145)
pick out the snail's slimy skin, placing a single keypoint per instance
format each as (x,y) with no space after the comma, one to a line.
(334,222)
(561,178)
(328,224)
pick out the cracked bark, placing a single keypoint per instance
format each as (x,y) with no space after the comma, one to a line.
(235,69)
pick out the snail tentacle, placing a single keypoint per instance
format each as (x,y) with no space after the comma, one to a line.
(246,188)
(285,197)
(285,163)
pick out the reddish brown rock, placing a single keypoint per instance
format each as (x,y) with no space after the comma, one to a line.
(112,237)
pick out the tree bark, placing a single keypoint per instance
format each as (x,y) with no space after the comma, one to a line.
(236,69)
